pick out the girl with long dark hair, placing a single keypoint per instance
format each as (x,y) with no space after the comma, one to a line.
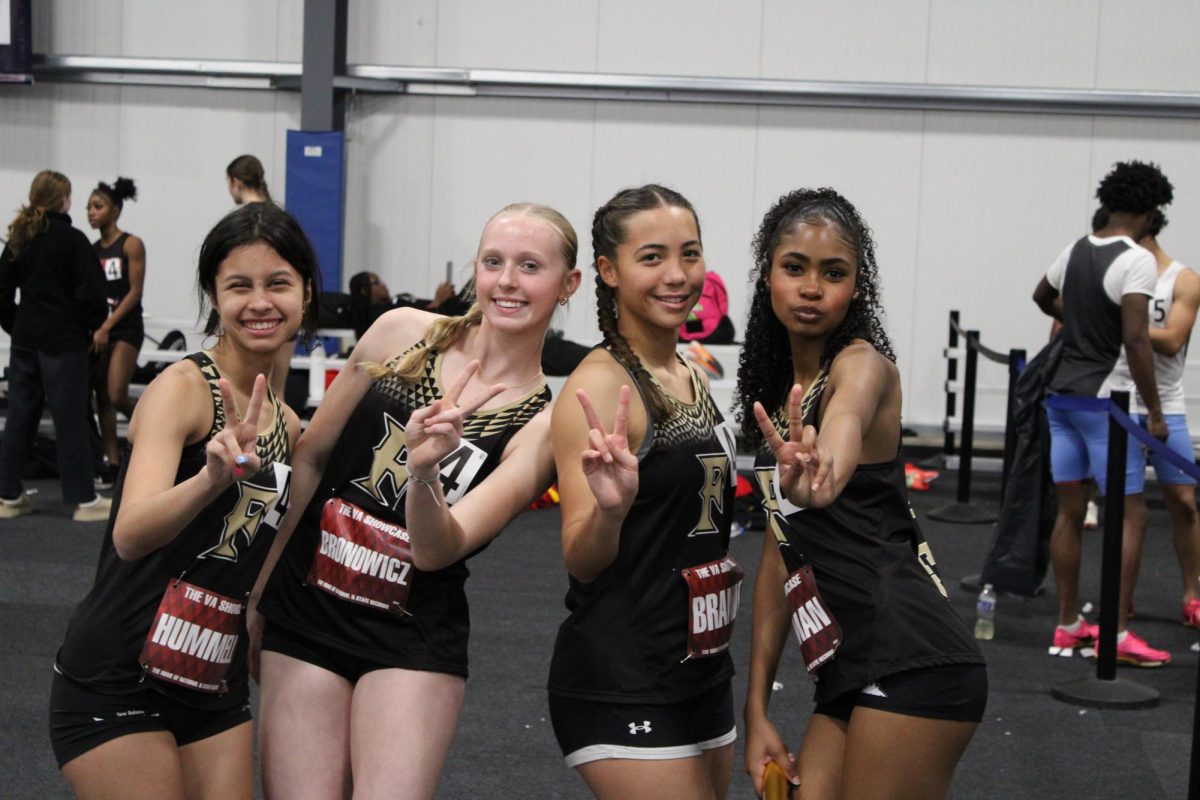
(150,696)
(640,694)
(901,685)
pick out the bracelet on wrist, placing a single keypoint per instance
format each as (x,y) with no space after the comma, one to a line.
(429,483)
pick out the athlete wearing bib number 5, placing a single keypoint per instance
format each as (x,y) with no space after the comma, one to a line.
(433,437)
(639,686)
(901,684)
(150,696)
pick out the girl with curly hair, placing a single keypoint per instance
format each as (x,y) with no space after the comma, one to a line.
(640,695)
(819,391)
(117,341)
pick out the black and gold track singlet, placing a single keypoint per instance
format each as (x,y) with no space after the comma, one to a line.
(222,550)
(367,472)
(875,571)
(626,638)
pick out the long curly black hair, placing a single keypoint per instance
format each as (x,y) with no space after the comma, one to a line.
(765,367)
(1134,187)
(608,232)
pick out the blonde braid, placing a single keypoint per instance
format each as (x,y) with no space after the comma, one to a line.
(438,338)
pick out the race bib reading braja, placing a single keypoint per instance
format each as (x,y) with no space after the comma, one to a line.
(713,593)
(361,558)
(816,629)
(193,638)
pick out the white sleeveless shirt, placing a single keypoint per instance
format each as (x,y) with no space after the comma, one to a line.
(1168,370)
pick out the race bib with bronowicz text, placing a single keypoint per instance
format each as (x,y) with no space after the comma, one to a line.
(361,558)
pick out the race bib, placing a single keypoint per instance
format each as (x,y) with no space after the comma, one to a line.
(713,593)
(816,629)
(193,638)
(362,559)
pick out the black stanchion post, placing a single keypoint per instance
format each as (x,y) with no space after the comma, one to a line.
(1114,531)
(1016,361)
(1194,777)
(962,510)
(951,376)
(967,439)
(1106,690)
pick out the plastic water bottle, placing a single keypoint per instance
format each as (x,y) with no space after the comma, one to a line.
(985,613)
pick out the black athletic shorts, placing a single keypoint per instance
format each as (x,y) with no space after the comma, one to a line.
(955,692)
(339,662)
(132,334)
(588,730)
(82,719)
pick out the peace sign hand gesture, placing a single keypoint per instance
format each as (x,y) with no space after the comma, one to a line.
(611,469)
(435,431)
(231,453)
(804,466)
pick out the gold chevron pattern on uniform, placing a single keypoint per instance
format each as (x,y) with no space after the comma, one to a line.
(687,423)
(479,425)
(271,446)
(780,418)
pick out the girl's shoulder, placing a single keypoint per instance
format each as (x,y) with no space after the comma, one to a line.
(858,356)
(394,332)
(181,394)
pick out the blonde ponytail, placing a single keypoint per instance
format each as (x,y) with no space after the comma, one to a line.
(438,338)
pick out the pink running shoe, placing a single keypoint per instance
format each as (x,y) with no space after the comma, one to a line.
(1135,652)
(1081,643)
(1191,613)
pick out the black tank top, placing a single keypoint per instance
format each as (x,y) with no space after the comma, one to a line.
(116,273)
(626,638)
(367,468)
(1092,334)
(875,571)
(222,549)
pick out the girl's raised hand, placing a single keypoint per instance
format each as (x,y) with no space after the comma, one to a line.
(804,467)
(435,431)
(611,469)
(231,454)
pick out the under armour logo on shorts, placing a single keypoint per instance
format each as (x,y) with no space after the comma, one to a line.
(635,729)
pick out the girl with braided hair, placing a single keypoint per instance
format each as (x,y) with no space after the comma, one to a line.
(893,661)
(117,341)
(431,439)
(640,695)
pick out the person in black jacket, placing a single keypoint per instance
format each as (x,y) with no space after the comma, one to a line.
(62,302)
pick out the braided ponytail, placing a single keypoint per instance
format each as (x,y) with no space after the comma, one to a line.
(608,232)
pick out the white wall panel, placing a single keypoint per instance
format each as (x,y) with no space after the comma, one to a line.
(707,153)
(1001,195)
(389,183)
(680,37)
(176,147)
(858,40)
(1149,45)
(78,27)
(489,153)
(71,129)
(387,32)
(873,159)
(518,34)
(231,29)
(1016,43)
